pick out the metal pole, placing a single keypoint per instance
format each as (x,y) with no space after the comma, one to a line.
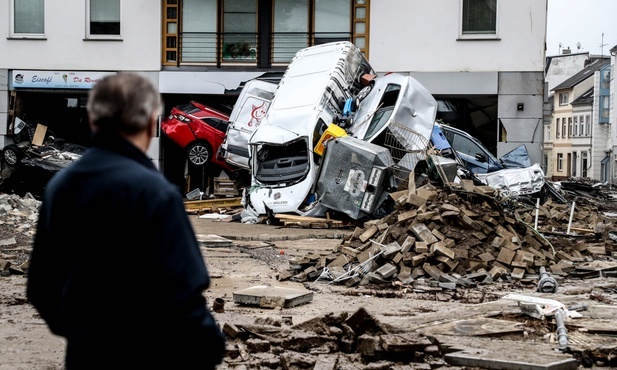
(571,214)
(535,225)
(562,332)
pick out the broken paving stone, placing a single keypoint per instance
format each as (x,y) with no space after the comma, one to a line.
(268,296)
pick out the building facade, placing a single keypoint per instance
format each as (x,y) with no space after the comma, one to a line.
(484,60)
(579,145)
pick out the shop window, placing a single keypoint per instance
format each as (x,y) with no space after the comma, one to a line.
(27,18)
(103,18)
(479,17)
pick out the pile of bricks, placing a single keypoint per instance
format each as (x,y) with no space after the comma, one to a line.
(458,236)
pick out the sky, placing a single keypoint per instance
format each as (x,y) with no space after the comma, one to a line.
(572,21)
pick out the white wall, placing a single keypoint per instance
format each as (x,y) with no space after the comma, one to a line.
(65,47)
(420,35)
(562,67)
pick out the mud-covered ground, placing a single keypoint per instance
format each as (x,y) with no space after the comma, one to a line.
(256,254)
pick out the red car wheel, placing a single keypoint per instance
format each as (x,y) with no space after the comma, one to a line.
(198,153)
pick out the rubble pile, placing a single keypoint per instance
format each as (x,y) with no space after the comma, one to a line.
(461,235)
(18,216)
(332,341)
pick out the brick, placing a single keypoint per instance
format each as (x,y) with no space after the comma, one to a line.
(506,255)
(423,233)
(408,244)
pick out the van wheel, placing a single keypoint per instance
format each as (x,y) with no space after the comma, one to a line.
(12,155)
(198,154)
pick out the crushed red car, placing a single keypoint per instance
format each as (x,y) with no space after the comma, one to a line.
(199,130)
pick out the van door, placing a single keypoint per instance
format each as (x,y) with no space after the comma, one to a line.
(251,106)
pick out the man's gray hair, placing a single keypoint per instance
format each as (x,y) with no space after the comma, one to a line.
(123,102)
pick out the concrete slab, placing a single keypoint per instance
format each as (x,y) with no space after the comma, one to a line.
(504,354)
(211,240)
(269,296)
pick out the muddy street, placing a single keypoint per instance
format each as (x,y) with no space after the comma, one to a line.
(443,326)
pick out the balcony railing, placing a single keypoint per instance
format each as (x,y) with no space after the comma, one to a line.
(211,48)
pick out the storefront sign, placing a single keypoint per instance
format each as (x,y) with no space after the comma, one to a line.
(55,79)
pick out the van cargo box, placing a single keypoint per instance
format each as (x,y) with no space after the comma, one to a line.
(353,176)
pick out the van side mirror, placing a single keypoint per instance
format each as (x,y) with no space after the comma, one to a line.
(480,157)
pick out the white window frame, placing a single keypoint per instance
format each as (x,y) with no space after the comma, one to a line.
(101,37)
(476,36)
(557,123)
(575,129)
(14,34)
(564,99)
(559,162)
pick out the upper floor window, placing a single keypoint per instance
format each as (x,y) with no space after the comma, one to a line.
(587,125)
(569,126)
(257,33)
(479,17)
(27,18)
(103,18)
(575,125)
(606,78)
(604,108)
(563,99)
(557,127)
(548,133)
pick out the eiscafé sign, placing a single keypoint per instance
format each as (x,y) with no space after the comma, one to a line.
(56,79)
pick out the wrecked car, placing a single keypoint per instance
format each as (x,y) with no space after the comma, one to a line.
(199,130)
(477,158)
(34,157)
(511,175)
(310,96)
(397,113)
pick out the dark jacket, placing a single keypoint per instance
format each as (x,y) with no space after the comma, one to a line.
(116,268)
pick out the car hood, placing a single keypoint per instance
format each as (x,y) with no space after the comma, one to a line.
(515,181)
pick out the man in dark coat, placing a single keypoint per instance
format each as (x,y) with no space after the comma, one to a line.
(115,266)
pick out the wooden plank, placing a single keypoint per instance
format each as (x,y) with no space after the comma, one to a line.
(297,218)
(39,135)
(192,205)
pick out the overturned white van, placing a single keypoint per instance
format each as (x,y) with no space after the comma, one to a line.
(310,96)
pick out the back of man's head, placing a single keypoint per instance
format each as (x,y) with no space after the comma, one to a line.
(125,102)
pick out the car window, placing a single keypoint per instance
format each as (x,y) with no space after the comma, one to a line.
(218,124)
(467,146)
(380,118)
(188,108)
